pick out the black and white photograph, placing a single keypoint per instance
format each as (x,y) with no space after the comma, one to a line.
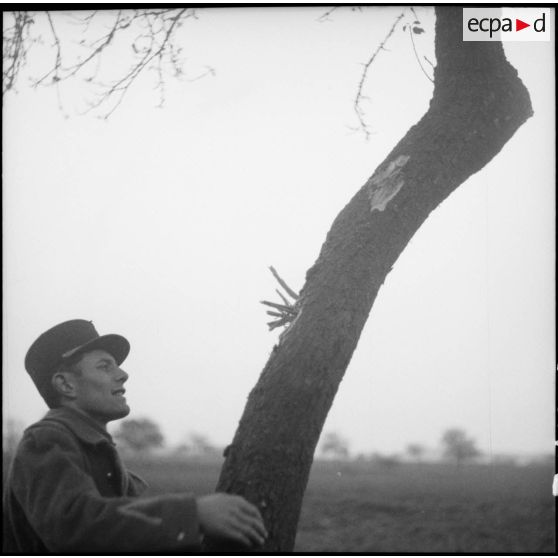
(278,279)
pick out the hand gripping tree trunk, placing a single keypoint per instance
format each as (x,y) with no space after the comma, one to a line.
(478,104)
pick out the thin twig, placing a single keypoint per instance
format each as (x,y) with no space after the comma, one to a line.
(416,54)
(426,58)
(14,48)
(104,42)
(209,71)
(58,60)
(122,85)
(278,323)
(325,16)
(153,45)
(283,297)
(281,307)
(290,292)
(359,96)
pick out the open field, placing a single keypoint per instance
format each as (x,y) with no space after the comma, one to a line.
(428,508)
(364,507)
(414,508)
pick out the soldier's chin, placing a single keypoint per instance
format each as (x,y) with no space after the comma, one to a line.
(123,412)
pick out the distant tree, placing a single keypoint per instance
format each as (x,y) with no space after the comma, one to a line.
(11,434)
(458,447)
(140,434)
(198,445)
(201,443)
(385,461)
(415,451)
(507,460)
(334,446)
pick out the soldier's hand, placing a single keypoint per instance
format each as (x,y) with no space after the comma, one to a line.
(232,517)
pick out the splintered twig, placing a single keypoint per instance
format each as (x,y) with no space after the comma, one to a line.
(290,292)
(278,323)
(269,313)
(283,298)
(285,312)
(281,307)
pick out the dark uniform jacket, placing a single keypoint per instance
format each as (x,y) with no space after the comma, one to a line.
(68,492)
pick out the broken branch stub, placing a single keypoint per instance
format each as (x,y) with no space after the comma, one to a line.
(276,314)
(280,307)
(283,298)
(279,323)
(290,292)
(287,311)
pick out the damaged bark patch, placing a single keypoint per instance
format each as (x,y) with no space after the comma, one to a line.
(385,184)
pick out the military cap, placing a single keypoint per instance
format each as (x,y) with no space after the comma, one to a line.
(64,341)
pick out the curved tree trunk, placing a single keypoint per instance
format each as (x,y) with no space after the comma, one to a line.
(477,105)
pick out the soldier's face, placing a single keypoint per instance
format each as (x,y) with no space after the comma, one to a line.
(99,387)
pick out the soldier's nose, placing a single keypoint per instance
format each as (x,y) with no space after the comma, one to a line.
(122,376)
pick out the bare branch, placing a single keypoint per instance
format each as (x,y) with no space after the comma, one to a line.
(15,47)
(54,71)
(208,72)
(325,16)
(120,87)
(359,96)
(85,20)
(414,12)
(153,45)
(103,43)
(411,31)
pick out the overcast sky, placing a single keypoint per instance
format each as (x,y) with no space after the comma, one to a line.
(160,224)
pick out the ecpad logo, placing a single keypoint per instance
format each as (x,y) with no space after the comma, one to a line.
(494,24)
(507,24)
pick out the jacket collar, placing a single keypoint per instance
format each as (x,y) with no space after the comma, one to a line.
(85,428)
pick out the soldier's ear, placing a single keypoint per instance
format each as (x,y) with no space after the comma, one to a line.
(63,384)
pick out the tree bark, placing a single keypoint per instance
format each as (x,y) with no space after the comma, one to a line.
(477,105)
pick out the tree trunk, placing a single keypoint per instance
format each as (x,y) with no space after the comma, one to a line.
(478,104)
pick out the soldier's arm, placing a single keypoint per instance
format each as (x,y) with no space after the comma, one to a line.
(62,503)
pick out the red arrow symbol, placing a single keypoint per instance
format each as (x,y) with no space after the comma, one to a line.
(519,25)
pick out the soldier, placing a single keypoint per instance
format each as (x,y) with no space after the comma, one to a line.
(67,489)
